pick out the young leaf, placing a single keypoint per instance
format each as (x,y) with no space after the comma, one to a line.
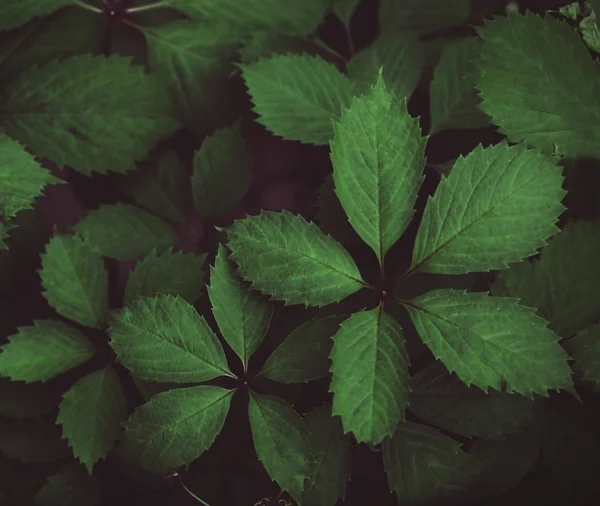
(400,54)
(14,14)
(75,281)
(378,157)
(222,172)
(423,16)
(44,350)
(370,381)
(281,442)
(330,471)
(124,231)
(423,465)
(585,349)
(91,413)
(530,96)
(243,316)
(71,486)
(175,427)
(168,273)
(22,179)
(290,259)
(491,342)
(563,283)
(32,441)
(442,399)
(165,339)
(491,210)
(304,355)
(297,96)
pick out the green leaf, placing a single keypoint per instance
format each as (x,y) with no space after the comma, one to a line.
(498,205)
(89,112)
(290,259)
(124,231)
(165,339)
(527,87)
(453,94)
(281,442)
(344,9)
(378,158)
(223,172)
(22,179)
(175,427)
(17,13)
(304,355)
(423,465)
(423,16)
(297,96)
(4,229)
(74,280)
(585,349)
(44,350)
(442,399)
(91,413)
(491,342)
(32,441)
(160,188)
(330,471)
(370,381)
(71,486)
(400,54)
(168,273)
(243,316)
(590,33)
(26,400)
(563,283)
(266,43)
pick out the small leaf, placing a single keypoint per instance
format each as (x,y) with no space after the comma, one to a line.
(243,316)
(370,381)
(165,339)
(43,351)
(281,442)
(175,427)
(422,16)
(14,14)
(34,441)
(290,259)
(71,486)
(304,355)
(74,281)
(585,349)
(124,231)
(4,229)
(91,413)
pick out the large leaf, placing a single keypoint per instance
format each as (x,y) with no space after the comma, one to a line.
(443,400)
(71,486)
(74,281)
(18,12)
(563,283)
(378,157)
(330,472)
(491,342)
(92,113)
(585,349)
(370,381)
(175,427)
(124,231)
(423,465)
(498,205)
(297,96)
(32,441)
(168,273)
(423,16)
(44,350)
(290,259)
(243,316)
(91,413)
(527,86)
(222,172)
(304,355)
(165,339)
(22,179)
(281,442)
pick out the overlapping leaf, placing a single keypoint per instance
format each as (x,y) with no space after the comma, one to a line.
(43,350)
(71,486)
(175,427)
(370,382)
(165,339)
(344,9)
(528,68)
(423,16)
(264,44)
(91,413)
(91,113)
(75,281)
(378,157)
(491,342)
(290,259)
(17,13)
(585,349)
(498,205)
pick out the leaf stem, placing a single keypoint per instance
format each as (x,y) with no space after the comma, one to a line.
(330,50)
(87,6)
(147,7)
(193,495)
